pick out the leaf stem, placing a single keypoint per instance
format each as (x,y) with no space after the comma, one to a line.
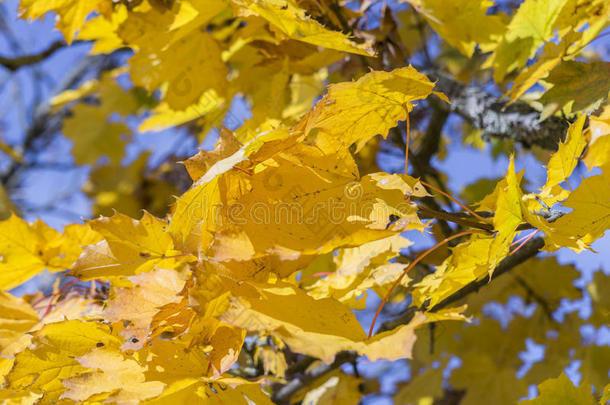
(523,241)
(408,131)
(455,200)
(410,266)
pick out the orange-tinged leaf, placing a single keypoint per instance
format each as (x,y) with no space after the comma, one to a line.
(139,304)
(121,378)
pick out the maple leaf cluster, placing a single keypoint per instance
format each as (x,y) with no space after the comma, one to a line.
(257,276)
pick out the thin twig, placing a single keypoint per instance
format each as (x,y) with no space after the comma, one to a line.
(455,200)
(15,63)
(409,267)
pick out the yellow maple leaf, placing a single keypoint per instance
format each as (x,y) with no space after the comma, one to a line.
(507,217)
(552,54)
(121,379)
(320,328)
(139,304)
(531,26)
(200,163)
(577,86)
(356,111)
(196,213)
(224,390)
(598,153)
(328,388)
(563,162)
(28,249)
(166,43)
(357,269)
(129,247)
(469,261)
(127,188)
(560,390)
(93,136)
(16,318)
(103,31)
(477,257)
(289,18)
(463,23)
(163,116)
(72,13)
(589,219)
(51,357)
(188,78)
(343,213)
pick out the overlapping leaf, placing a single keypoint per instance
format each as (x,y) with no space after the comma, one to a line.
(355,112)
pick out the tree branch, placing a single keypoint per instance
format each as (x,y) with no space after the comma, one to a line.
(517,121)
(282,395)
(432,136)
(466,220)
(45,123)
(529,250)
(14,64)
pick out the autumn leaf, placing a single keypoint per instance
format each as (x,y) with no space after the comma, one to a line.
(255,266)
(589,219)
(139,304)
(551,56)
(120,379)
(129,247)
(563,162)
(289,18)
(28,249)
(72,14)
(477,257)
(599,148)
(17,318)
(276,311)
(83,129)
(53,353)
(355,112)
(577,85)
(530,26)
(463,24)
(561,390)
